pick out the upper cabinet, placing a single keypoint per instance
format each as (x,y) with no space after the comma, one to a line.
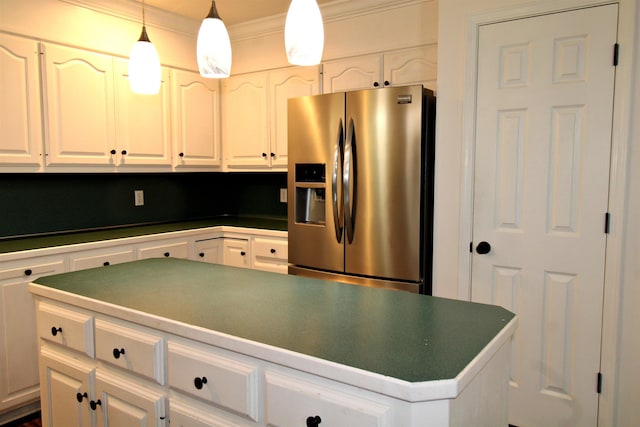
(196,111)
(20,109)
(79,107)
(143,122)
(254,125)
(397,68)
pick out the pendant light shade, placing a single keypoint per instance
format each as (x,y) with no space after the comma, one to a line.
(144,65)
(304,33)
(213,49)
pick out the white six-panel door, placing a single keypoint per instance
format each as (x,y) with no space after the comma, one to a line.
(543,134)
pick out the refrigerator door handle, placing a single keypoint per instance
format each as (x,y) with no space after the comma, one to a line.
(350,177)
(336,184)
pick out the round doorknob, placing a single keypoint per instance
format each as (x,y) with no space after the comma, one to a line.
(483,248)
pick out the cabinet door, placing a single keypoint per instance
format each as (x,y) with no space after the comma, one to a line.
(79,107)
(20,112)
(66,390)
(236,253)
(125,402)
(18,343)
(270,254)
(285,84)
(209,250)
(143,122)
(412,66)
(192,413)
(361,72)
(245,125)
(196,120)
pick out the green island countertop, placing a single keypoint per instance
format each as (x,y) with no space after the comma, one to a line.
(413,338)
(75,237)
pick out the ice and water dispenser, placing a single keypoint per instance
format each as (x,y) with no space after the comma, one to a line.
(310,193)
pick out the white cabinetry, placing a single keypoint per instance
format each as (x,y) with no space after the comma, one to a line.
(397,68)
(177,248)
(143,122)
(255,116)
(235,253)
(20,109)
(208,250)
(18,343)
(270,254)
(100,257)
(79,107)
(196,112)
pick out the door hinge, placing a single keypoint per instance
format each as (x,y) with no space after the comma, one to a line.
(616,52)
(607,222)
(599,383)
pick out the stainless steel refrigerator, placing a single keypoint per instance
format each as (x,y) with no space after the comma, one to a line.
(360,187)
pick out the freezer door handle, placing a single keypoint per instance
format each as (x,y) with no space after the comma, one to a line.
(350,178)
(336,183)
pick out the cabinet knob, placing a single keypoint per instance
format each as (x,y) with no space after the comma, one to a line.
(113,151)
(80,396)
(124,152)
(273,251)
(166,254)
(386,83)
(243,253)
(117,352)
(201,254)
(375,84)
(181,154)
(273,154)
(264,155)
(28,272)
(95,403)
(199,382)
(106,263)
(54,331)
(314,421)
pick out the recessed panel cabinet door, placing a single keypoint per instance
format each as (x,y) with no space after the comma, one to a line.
(20,112)
(79,107)
(143,122)
(196,120)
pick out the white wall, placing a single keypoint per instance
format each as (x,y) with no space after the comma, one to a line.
(621,340)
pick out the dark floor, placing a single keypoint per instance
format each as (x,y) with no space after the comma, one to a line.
(28,421)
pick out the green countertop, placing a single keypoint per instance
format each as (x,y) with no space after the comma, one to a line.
(410,337)
(60,239)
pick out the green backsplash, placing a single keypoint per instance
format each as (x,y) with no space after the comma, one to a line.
(49,203)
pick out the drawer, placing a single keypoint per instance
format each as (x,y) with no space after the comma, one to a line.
(271,248)
(99,258)
(290,401)
(132,349)
(164,249)
(203,372)
(30,269)
(67,327)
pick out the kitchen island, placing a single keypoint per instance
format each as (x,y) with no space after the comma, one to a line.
(199,344)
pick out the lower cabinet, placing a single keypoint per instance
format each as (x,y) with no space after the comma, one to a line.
(270,254)
(205,385)
(235,253)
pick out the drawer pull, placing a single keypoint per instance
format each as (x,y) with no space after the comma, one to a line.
(117,352)
(314,421)
(54,330)
(79,396)
(243,253)
(106,263)
(95,403)
(199,382)
(28,272)
(166,254)
(201,254)
(273,251)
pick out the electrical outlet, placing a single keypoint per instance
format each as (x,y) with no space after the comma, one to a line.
(138,197)
(283,195)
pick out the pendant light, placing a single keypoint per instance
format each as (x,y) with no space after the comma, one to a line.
(213,49)
(304,33)
(144,65)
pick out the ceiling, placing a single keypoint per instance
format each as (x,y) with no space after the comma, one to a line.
(231,11)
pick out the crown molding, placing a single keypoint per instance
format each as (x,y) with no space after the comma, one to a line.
(331,12)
